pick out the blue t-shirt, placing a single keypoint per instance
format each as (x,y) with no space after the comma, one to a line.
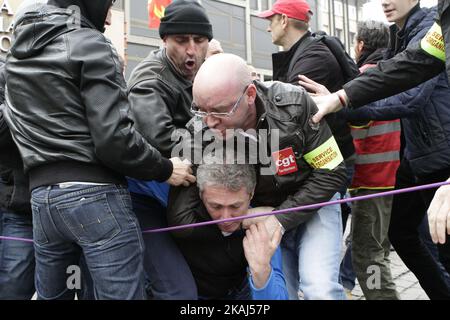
(154,189)
(275,287)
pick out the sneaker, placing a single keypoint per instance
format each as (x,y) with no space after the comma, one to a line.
(348,294)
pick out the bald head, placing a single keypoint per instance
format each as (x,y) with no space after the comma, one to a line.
(214,47)
(219,76)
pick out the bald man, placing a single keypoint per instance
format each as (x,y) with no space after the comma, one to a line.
(308,166)
(214,47)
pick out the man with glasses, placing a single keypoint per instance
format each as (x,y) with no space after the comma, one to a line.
(307,165)
(160,92)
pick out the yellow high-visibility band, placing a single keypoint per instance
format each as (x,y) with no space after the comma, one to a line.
(326,156)
(433,42)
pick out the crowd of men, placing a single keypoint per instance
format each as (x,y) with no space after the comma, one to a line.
(89,161)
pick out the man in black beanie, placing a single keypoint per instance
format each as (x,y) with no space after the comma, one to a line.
(160,93)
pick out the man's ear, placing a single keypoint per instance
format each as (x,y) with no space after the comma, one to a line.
(284,21)
(360,45)
(251,93)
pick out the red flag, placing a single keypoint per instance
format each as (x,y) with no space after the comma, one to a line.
(156,9)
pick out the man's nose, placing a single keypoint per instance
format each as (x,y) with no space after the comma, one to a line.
(226,214)
(191,47)
(211,122)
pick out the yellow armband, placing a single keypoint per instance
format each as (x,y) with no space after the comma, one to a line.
(433,42)
(326,156)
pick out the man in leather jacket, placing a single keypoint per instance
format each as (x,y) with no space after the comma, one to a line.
(160,93)
(68,112)
(308,165)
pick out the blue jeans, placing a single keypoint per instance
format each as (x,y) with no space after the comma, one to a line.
(347,275)
(96,221)
(16,258)
(311,256)
(1,228)
(167,272)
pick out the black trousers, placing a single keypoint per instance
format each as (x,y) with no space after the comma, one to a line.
(408,211)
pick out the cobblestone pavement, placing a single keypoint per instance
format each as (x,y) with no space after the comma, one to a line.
(407,284)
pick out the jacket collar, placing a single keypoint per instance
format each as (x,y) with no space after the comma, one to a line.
(281,60)
(370,57)
(260,104)
(399,36)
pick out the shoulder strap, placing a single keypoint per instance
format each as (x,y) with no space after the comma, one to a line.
(348,66)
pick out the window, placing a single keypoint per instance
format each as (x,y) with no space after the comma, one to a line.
(264,5)
(352,12)
(324,5)
(352,37)
(339,34)
(260,5)
(338,8)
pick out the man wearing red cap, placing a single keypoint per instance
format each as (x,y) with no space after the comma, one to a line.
(303,54)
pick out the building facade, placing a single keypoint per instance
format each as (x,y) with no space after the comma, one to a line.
(235,25)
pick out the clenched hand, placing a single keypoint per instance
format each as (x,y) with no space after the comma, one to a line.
(182,173)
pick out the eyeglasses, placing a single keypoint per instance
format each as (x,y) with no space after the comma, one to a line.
(195,109)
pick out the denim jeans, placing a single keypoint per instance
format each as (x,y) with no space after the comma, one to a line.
(96,221)
(16,258)
(168,275)
(312,254)
(347,276)
(1,228)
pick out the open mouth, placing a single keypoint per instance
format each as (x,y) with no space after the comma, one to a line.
(228,227)
(190,64)
(218,133)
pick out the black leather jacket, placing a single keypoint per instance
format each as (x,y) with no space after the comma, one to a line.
(67,106)
(160,99)
(289,109)
(14,190)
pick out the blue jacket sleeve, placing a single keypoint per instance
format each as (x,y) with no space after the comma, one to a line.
(275,287)
(402,105)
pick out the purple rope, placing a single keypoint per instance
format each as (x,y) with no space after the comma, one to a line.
(16,239)
(284,211)
(307,207)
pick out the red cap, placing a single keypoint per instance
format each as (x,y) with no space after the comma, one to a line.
(295,9)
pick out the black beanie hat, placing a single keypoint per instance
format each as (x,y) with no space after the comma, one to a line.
(185,17)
